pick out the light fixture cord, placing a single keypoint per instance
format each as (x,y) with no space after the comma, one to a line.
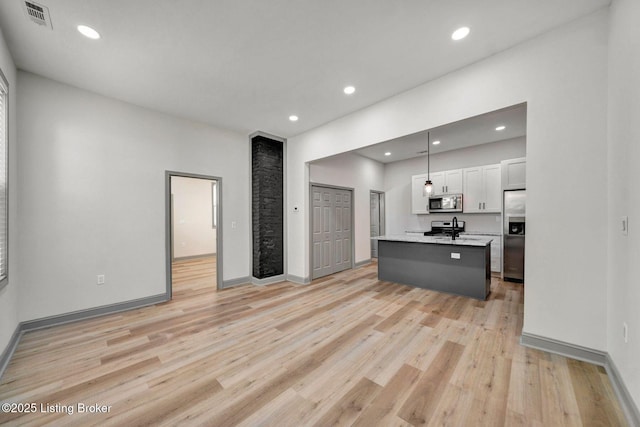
(428,152)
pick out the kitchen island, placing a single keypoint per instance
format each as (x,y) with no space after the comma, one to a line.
(460,266)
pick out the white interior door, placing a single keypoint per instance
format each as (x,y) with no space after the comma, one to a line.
(332,234)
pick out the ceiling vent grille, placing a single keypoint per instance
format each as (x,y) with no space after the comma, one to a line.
(38,13)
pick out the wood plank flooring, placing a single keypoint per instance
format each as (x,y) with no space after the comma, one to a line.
(195,274)
(346,350)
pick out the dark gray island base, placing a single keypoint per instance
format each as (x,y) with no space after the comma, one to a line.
(437,266)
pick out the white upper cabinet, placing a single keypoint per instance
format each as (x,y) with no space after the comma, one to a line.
(514,174)
(438,183)
(492,188)
(473,194)
(447,182)
(482,189)
(419,202)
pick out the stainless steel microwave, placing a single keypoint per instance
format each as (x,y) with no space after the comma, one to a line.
(445,203)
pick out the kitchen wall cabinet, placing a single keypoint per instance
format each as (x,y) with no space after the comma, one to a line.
(447,182)
(514,174)
(419,201)
(482,189)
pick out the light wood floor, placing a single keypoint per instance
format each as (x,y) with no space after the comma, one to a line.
(196,274)
(345,350)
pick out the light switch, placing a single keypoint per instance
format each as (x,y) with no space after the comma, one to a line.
(233,224)
(455,255)
(625,225)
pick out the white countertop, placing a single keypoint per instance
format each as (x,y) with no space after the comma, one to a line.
(481,233)
(464,233)
(439,240)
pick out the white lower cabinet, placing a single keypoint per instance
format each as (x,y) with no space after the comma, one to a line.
(496,251)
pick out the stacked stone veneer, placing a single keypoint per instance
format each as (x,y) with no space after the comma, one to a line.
(267,177)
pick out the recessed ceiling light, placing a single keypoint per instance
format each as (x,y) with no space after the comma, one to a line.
(501,127)
(460,33)
(349,90)
(387,153)
(436,142)
(88,32)
(293,118)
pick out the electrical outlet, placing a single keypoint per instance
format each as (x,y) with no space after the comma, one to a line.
(455,255)
(625,332)
(100,279)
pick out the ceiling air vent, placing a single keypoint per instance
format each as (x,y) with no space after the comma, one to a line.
(38,13)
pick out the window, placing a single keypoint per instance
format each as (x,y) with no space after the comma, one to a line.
(214,201)
(4,143)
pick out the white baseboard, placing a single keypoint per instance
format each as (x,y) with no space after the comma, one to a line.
(362,263)
(596,357)
(299,280)
(5,358)
(577,352)
(626,401)
(47,322)
(235,282)
(268,280)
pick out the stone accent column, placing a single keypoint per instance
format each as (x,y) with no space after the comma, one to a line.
(267,172)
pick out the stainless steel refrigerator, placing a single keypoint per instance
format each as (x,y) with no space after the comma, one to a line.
(515,202)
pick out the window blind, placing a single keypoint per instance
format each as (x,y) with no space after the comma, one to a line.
(3,181)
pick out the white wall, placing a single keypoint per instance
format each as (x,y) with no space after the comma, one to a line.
(193,232)
(562,76)
(9,294)
(624,198)
(92,195)
(397,184)
(361,174)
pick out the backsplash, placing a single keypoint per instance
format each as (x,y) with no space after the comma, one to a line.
(473,222)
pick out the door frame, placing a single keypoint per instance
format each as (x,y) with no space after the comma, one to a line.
(381,212)
(169,228)
(353,231)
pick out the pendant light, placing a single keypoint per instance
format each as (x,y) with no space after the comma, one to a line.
(428,185)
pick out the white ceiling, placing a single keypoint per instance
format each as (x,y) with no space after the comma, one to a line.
(247,65)
(453,136)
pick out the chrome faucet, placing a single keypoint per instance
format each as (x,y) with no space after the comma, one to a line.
(454,226)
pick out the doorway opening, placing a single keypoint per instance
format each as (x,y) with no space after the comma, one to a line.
(377,219)
(194,241)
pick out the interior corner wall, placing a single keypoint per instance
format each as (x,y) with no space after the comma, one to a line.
(562,76)
(363,175)
(9,318)
(624,198)
(91,174)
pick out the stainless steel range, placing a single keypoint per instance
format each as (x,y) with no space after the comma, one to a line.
(444,228)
